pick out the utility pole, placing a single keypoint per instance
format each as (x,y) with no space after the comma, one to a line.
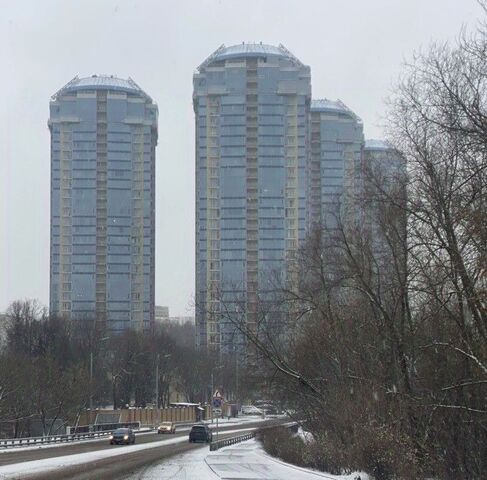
(157,381)
(211,396)
(235,349)
(236,377)
(98,342)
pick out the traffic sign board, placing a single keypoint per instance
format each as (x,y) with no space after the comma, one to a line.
(217,394)
(217,402)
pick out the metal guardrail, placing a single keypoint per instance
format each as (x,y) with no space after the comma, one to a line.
(241,438)
(64,438)
(231,441)
(26,441)
(104,427)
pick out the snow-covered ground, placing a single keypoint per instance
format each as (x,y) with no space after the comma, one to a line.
(246,460)
(305,436)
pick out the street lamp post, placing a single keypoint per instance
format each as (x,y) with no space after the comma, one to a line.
(236,376)
(90,427)
(158,357)
(157,381)
(91,392)
(235,349)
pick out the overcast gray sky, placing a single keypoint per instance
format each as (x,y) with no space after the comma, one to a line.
(355,49)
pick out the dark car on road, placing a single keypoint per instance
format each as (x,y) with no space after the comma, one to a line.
(122,435)
(200,433)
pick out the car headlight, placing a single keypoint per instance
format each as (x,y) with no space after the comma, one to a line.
(111,437)
(125,437)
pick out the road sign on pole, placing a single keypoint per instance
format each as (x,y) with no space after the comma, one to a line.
(216,403)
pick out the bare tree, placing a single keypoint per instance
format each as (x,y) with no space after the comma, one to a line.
(384,346)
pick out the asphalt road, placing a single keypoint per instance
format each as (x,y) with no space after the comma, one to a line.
(113,467)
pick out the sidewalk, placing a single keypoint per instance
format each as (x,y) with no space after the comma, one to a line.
(243,461)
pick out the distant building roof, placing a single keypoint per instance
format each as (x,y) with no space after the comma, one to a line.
(332,106)
(244,50)
(161,313)
(182,319)
(373,144)
(101,82)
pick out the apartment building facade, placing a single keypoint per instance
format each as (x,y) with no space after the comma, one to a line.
(251,104)
(103,141)
(334,164)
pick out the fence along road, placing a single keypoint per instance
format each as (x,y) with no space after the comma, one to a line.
(63,438)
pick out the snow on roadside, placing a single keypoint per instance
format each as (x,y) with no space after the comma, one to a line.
(306,437)
(316,473)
